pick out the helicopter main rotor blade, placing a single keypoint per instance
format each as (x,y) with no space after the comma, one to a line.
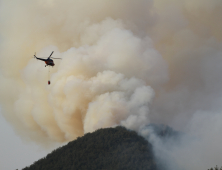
(56,58)
(51,54)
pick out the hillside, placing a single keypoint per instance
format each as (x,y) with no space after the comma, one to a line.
(105,149)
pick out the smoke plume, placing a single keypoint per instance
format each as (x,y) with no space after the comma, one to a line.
(125,62)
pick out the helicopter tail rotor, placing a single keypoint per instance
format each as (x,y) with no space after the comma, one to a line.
(34,55)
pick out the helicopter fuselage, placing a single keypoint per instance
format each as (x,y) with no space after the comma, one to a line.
(49,61)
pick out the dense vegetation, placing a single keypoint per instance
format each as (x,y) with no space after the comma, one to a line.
(105,149)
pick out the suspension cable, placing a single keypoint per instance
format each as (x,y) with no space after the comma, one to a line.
(49,76)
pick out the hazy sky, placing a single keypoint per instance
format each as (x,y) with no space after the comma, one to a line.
(15,153)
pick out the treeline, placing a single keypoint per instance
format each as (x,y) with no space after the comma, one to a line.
(106,149)
(216,168)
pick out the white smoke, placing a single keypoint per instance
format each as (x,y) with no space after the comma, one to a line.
(100,84)
(125,62)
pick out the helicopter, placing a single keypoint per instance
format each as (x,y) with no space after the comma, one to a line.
(48,61)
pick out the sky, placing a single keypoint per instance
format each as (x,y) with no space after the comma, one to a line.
(16,153)
(126,62)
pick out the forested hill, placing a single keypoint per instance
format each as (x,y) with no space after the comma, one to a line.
(105,149)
